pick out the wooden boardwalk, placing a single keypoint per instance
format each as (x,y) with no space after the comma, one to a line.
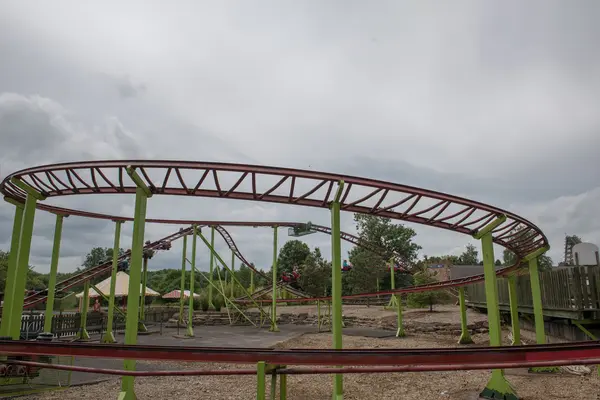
(567,292)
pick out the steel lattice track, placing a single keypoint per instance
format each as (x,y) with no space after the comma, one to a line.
(361,195)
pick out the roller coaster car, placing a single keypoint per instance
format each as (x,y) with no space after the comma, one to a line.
(398,268)
(346,267)
(23,371)
(164,245)
(290,277)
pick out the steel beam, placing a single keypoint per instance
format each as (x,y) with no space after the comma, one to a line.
(109,336)
(133,295)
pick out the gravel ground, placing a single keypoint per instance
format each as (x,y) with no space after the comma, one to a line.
(457,385)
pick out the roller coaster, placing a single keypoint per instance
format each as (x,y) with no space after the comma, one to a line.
(27,189)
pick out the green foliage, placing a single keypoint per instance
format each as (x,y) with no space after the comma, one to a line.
(469,257)
(218,302)
(201,303)
(99,255)
(367,266)
(35,280)
(293,253)
(428,298)
(315,274)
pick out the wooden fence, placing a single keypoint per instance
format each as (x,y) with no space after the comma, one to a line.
(572,292)
(69,324)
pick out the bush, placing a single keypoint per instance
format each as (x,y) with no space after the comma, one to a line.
(218,302)
(201,303)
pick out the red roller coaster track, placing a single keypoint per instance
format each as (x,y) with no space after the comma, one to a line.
(361,195)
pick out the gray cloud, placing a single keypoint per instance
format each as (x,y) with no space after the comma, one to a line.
(491,101)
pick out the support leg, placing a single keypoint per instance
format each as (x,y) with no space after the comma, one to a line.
(141,323)
(52,280)
(274,327)
(190,324)
(400,332)
(514,310)
(282,387)
(261,381)
(109,336)
(251,281)
(85,301)
(336,288)
(538,312)
(22,265)
(232,274)
(9,288)
(497,387)
(210,275)
(182,283)
(465,335)
(133,299)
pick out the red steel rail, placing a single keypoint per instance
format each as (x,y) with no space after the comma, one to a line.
(567,352)
(316,370)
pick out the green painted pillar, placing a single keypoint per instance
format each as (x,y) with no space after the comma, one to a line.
(9,294)
(141,323)
(251,281)
(22,263)
(261,380)
(109,336)
(536,294)
(336,287)
(85,307)
(232,273)
(465,335)
(190,324)
(212,261)
(514,309)
(182,283)
(274,327)
(135,272)
(497,387)
(397,302)
(52,279)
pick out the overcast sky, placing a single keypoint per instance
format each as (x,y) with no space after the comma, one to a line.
(492,100)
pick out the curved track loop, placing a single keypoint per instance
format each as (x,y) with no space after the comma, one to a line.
(361,195)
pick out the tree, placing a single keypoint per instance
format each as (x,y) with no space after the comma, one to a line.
(426,298)
(315,274)
(469,257)
(99,255)
(292,254)
(367,266)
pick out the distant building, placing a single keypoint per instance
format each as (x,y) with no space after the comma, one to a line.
(445,272)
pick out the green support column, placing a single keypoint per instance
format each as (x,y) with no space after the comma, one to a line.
(465,335)
(261,378)
(274,327)
(336,287)
(396,301)
(141,323)
(22,262)
(182,284)
(109,336)
(497,387)
(232,273)
(85,307)
(251,281)
(9,294)
(52,280)
(538,312)
(514,310)
(135,271)
(210,275)
(190,324)
(536,294)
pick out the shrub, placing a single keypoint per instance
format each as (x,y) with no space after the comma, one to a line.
(218,302)
(201,303)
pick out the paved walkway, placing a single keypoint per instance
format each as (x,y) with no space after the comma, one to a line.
(209,336)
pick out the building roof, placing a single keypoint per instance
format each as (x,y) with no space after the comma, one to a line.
(176,294)
(121,287)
